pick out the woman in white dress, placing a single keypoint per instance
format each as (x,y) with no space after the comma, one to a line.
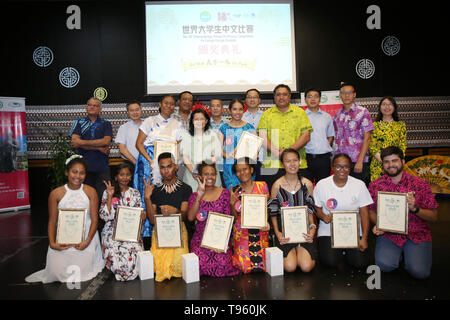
(82,261)
(120,256)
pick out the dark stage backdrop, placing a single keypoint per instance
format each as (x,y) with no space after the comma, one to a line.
(108,51)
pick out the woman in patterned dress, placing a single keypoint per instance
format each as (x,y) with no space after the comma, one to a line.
(229,135)
(249,244)
(120,256)
(388,131)
(292,190)
(209,198)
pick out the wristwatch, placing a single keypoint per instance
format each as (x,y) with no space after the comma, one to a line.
(415,210)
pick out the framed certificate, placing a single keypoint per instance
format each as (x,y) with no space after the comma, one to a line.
(345,229)
(168,231)
(162,146)
(217,231)
(392,212)
(70,228)
(248,146)
(128,224)
(254,211)
(294,222)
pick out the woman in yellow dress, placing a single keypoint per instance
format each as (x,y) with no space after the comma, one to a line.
(388,131)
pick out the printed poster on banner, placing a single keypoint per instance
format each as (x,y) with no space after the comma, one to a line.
(329,101)
(14,188)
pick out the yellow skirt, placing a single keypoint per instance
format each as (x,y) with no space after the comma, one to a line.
(167,261)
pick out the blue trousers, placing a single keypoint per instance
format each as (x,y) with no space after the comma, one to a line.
(417,257)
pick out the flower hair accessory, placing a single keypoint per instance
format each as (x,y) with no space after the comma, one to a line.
(74,156)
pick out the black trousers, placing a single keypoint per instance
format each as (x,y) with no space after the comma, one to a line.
(362,175)
(319,166)
(332,257)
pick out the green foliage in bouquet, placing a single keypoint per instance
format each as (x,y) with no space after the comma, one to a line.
(59,150)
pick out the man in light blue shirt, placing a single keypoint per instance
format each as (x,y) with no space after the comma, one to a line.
(252,116)
(318,149)
(128,132)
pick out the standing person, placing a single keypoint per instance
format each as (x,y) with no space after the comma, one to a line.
(91,137)
(154,128)
(353,125)
(292,190)
(283,126)
(199,144)
(416,246)
(171,197)
(217,120)
(229,135)
(86,255)
(319,148)
(388,131)
(252,116)
(210,198)
(249,244)
(341,192)
(120,256)
(185,104)
(216,108)
(128,132)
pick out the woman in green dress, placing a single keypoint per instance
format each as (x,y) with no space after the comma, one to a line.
(388,131)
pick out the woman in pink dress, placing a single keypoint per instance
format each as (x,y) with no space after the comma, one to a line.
(216,199)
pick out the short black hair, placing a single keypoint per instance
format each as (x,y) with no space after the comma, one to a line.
(251,163)
(345,84)
(313,89)
(181,94)
(205,164)
(281,85)
(388,151)
(341,155)
(246,92)
(166,155)
(133,102)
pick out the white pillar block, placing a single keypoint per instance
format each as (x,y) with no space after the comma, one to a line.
(191,267)
(274,262)
(145,265)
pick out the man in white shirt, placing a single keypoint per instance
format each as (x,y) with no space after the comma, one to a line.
(252,116)
(128,132)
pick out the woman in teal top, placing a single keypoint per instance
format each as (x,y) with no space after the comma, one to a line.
(229,135)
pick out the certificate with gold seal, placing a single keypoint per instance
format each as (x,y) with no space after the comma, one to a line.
(217,231)
(392,212)
(170,146)
(70,227)
(253,211)
(168,231)
(248,146)
(128,224)
(345,229)
(294,222)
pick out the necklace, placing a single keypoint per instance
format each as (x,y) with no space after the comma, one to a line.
(169,188)
(292,189)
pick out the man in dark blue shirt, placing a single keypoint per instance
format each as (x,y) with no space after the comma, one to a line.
(91,137)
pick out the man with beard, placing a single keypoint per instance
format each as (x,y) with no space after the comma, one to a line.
(422,208)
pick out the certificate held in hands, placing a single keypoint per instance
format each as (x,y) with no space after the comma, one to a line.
(170,146)
(345,229)
(217,231)
(294,222)
(254,211)
(128,224)
(392,212)
(70,228)
(168,231)
(248,146)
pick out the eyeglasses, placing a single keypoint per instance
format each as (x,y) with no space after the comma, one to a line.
(339,168)
(252,97)
(387,104)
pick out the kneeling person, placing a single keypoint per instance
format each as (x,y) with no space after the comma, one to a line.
(171,197)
